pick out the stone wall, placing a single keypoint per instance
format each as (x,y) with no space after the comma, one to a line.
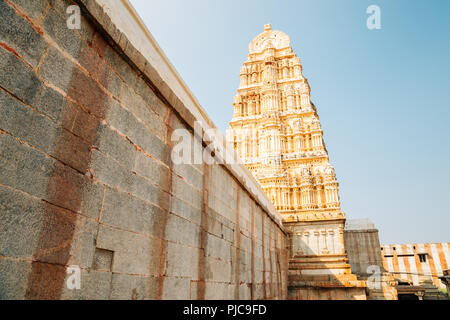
(86,176)
(362,244)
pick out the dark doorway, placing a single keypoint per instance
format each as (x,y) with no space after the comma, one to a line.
(407,297)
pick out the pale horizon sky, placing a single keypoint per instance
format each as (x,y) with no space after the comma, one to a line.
(383,96)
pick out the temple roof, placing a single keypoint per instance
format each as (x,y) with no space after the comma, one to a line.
(269,38)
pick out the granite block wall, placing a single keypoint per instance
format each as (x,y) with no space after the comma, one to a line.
(87,180)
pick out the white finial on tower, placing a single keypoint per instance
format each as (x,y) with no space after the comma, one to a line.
(267,27)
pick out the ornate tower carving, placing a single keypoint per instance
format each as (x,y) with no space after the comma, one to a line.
(277,133)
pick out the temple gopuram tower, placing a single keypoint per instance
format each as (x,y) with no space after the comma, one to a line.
(277,133)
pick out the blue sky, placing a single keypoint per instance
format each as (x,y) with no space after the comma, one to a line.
(383,96)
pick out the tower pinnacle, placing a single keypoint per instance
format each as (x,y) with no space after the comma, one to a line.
(267,27)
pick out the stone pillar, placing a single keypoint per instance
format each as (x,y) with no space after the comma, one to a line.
(340,239)
(324,241)
(294,197)
(337,242)
(319,197)
(331,241)
(251,107)
(255,144)
(317,244)
(306,243)
(298,246)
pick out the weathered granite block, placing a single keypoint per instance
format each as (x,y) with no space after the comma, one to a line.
(123,211)
(18,34)
(176,288)
(127,124)
(52,104)
(33,9)
(116,146)
(56,69)
(13,278)
(17,77)
(182,231)
(56,27)
(132,102)
(133,253)
(133,287)
(182,261)
(155,172)
(24,168)
(22,217)
(26,124)
(185,192)
(95,285)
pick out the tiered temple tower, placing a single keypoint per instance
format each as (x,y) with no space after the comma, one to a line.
(277,133)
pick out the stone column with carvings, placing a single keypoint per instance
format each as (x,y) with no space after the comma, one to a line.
(323,234)
(331,241)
